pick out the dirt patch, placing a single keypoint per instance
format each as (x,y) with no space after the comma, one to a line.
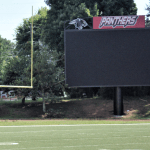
(85,108)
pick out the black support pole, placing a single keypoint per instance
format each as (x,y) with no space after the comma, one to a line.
(118,101)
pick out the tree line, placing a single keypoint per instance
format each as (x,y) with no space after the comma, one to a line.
(48,60)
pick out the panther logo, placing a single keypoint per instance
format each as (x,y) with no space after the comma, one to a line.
(79,23)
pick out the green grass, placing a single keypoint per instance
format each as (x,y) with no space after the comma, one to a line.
(76,137)
(65,122)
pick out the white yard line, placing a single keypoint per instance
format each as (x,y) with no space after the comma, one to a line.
(8,143)
(132,124)
(57,147)
(80,146)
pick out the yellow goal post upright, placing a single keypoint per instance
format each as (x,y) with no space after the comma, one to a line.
(15,86)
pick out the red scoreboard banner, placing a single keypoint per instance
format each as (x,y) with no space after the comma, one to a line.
(115,22)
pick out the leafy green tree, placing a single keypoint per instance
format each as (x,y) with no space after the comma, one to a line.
(6,53)
(21,65)
(105,7)
(147,21)
(116,7)
(47,77)
(53,33)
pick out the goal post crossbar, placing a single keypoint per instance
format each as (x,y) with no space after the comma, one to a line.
(15,86)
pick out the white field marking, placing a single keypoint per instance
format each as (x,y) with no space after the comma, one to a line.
(132,124)
(36,131)
(84,138)
(63,146)
(65,130)
(56,147)
(127,144)
(50,131)
(81,146)
(8,143)
(104,149)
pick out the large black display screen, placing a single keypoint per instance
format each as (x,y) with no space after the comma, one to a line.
(107,58)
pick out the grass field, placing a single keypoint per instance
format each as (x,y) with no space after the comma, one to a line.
(85,125)
(107,135)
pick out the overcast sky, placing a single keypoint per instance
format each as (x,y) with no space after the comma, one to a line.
(12,12)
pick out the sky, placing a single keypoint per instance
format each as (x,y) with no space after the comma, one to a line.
(12,13)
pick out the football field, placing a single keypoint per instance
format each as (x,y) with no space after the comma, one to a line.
(76,137)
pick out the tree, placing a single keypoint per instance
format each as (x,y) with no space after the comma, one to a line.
(20,67)
(117,7)
(6,52)
(53,33)
(148,15)
(46,76)
(49,76)
(105,7)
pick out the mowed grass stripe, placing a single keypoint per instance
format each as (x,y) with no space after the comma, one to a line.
(132,124)
(76,137)
(66,122)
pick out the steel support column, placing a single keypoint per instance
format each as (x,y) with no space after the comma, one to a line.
(118,101)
